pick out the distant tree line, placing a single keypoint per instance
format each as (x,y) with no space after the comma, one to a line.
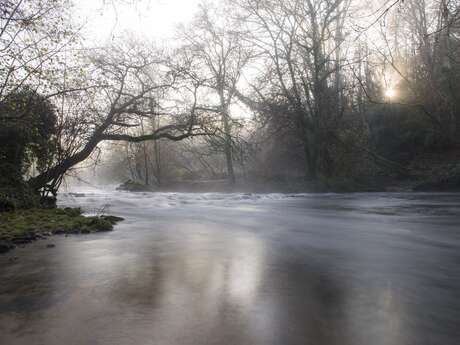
(320,89)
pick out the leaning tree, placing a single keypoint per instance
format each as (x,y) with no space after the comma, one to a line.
(126,86)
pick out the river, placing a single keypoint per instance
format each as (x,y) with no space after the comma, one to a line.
(233,269)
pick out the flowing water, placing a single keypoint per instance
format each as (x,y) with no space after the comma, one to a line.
(237,269)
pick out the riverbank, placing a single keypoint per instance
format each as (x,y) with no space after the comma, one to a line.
(23,226)
(255,185)
(289,186)
(437,171)
(441,178)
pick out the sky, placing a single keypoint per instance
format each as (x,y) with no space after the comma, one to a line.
(106,20)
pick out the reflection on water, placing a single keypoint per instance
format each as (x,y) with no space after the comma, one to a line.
(243,269)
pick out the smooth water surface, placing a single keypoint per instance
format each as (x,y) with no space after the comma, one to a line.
(237,269)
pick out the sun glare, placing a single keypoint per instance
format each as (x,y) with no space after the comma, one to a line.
(390,93)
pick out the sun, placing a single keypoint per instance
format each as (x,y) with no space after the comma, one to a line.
(390,93)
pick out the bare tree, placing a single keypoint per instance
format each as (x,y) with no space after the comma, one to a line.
(424,57)
(34,36)
(221,57)
(299,48)
(112,112)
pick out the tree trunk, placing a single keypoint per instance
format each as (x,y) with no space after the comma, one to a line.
(228,148)
(146,158)
(157,149)
(311,159)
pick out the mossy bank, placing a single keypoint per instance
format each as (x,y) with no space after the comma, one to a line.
(23,226)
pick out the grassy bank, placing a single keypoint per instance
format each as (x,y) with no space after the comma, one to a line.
(23,226)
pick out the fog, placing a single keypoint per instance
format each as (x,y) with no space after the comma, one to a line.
(229,172)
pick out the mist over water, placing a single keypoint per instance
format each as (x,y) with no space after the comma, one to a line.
(201,106)
(214,268)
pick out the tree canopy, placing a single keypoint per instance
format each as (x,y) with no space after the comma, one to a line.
(250,88)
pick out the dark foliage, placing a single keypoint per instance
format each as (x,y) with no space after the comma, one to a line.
(27,139)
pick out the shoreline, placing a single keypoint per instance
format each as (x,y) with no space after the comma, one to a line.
(23,226)
(295,186)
